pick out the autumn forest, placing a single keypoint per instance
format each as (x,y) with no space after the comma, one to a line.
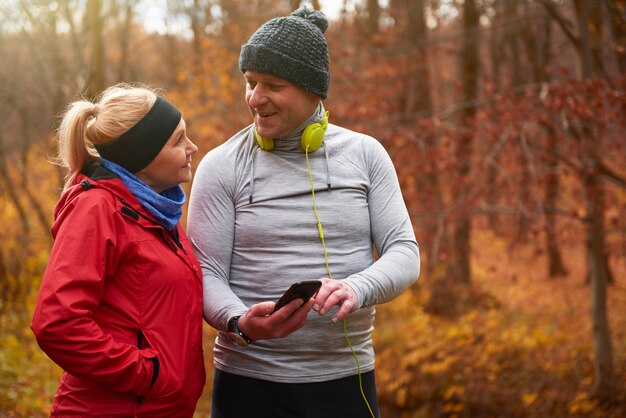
(506,122)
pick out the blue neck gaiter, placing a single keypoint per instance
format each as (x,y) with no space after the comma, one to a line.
(166,207)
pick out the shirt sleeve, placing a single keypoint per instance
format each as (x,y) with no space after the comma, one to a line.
(210,228)
(398,265)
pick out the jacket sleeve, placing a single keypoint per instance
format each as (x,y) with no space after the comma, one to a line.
(398,265)
(82,255)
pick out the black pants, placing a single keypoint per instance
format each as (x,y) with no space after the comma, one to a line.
(243,397)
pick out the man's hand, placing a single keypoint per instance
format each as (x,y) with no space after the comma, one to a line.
(259,323)
(335,292)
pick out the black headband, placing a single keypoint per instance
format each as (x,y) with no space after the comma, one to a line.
(138,146)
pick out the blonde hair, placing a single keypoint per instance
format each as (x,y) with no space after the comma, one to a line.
(86,123)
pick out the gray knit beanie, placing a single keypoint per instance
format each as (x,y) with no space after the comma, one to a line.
(293,48)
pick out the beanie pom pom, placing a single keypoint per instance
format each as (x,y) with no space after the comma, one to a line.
(315,17)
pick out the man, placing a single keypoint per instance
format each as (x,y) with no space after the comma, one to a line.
(293,198)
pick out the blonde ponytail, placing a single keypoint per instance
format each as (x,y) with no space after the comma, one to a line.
(85,123)
(74,152)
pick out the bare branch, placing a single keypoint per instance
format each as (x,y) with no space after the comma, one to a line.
(611,176)
(561,20)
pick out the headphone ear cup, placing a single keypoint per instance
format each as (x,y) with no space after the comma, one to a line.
(266,144)
(312,137)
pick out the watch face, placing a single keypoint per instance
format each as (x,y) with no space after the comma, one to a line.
(237,339)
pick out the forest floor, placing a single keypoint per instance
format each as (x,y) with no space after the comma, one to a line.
(518,345)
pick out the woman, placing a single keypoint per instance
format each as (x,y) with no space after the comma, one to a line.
(120,304)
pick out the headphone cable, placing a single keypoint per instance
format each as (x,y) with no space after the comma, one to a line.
(345,322)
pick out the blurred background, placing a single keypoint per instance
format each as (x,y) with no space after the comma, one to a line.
(506,123)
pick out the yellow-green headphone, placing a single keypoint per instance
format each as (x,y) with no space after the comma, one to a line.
(311,139)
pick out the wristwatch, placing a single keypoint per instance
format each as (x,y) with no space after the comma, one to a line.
(235,334)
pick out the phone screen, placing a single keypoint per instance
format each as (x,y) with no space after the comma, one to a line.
(300,290)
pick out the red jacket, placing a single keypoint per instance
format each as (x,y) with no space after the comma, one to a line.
(120,307)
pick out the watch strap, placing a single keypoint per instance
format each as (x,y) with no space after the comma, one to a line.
(233,327)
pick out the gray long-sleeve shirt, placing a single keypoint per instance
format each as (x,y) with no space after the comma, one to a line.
(253,244)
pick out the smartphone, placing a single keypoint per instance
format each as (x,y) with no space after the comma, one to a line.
(300,290)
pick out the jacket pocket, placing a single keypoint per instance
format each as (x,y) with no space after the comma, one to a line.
(168,380)
(156,365)
(142,343)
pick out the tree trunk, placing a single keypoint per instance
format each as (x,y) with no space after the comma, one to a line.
(60,71)
(617,19)
(373,15)
(496,58)
(539,58)
(9,189)
(419,101)
(604,384)
(512,40)
(469,77)
(34,203)
(523,221)
(584,45)
(604,373)
(513,36)
(555,261)
(530,41)
(95,83)
(124,34)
